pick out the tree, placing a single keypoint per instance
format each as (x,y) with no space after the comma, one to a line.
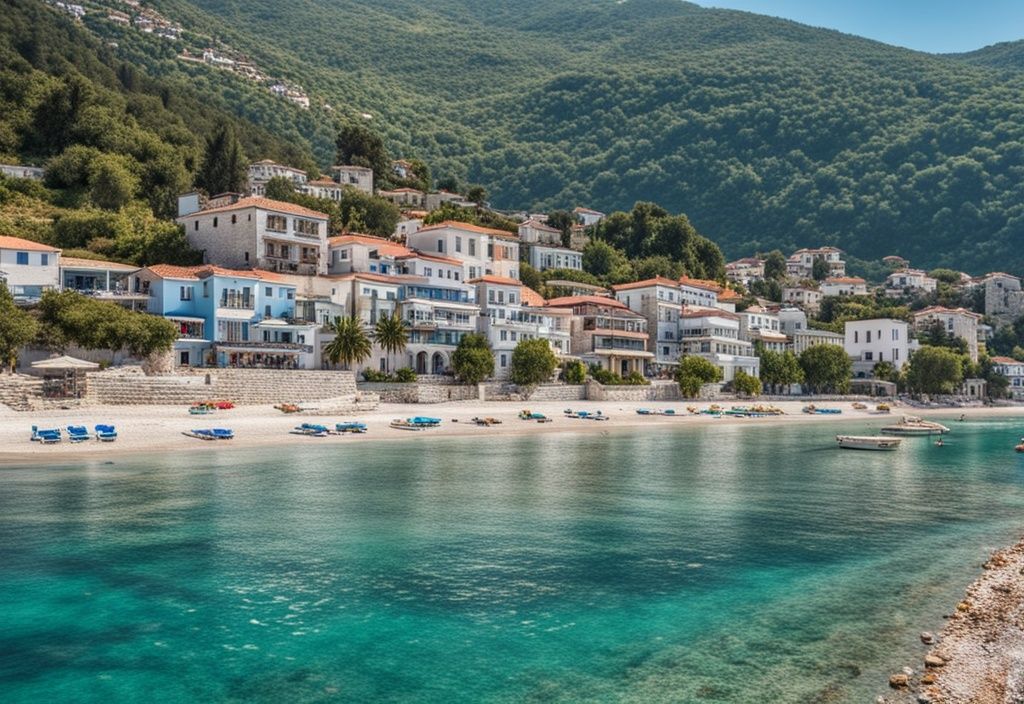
(361,212)
(477,194)
(17,328)
(358,145)
(820,270)
(533,362)
(111,182)
(391,334)
(775,266)
(767,288)
(279,188)
(350,344)
(449,183)
(473,360)
(779,369)
(693,373)
(746,384)
(69,317)
(947,276)
(562,220)
(574,372)
(601,259)
(934,370)
(224,164)
(530,277)
(827,369)
(885,371)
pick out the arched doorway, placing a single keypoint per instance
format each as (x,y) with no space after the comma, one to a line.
(437,365)
(421,363)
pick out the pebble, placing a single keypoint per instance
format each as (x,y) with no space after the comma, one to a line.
(933,661)
(928,678)
(927,637)
(908,671)
(899,681)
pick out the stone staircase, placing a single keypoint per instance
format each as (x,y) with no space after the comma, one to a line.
(129,386)
(21,392)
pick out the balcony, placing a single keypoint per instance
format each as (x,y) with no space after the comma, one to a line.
(234,301)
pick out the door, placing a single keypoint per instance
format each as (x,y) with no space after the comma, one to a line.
(183,358)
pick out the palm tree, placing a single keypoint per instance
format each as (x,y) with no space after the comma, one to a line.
(350,343)
(390,333)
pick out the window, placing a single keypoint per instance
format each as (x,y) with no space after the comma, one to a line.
(269,291)
(344,254)
(270,249)
(868,356)
(856,336)
(247,257)
(504,360)
(427,271)
(277,223)
(896,333)
(44,259)
(472,247)
(215,222)
(206,289)
(307,227)
(458,244)
(266,311)
(511,297)
(504,335)
(513,336)
(22,257)
(186,293)
(440,246)
(234,219)
(195,225)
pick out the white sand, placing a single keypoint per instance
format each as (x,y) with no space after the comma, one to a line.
(159,428)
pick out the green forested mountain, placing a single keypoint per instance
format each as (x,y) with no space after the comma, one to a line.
(766,133)
(1004,55)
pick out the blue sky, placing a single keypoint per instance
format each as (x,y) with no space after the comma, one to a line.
(927,25)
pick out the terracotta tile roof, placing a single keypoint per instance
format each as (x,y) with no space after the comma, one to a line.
(1006,360)
(430,257)
(384,246)
(943,310)
(7,242)
(729,295)
(465,226)
(492,279)
(530,297)
(691,312)
(845,280)
(706,284)
(170,271)
(538,225)
(278,206)
(324,182)
(580,209)
(570,301)
(1000,273)
(378,278)
(656,281)
(76,263)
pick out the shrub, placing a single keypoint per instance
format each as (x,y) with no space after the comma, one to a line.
(574,372)
(405,375)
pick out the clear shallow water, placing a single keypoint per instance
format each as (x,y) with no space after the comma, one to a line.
(716,564)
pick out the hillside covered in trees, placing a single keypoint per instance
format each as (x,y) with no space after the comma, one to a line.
(766,133)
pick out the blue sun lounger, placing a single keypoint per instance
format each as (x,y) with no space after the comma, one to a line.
(46,436)
(106,433)
(78,433)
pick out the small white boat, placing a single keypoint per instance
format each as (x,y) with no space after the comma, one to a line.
(867,442)
(912,425)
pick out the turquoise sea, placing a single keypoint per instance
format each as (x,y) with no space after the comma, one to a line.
(712,564)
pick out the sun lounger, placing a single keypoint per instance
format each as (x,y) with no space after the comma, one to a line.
(78,433)
(200,434)
(350,427)
(106,433)
(223,433)
(46,436)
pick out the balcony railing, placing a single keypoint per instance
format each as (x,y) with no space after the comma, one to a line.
(237,302)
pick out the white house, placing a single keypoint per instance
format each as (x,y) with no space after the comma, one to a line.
(660,301)
(364,253)
(869,342)
(844,286)
(745,271)
(323,188)
(358,177)
(405,197)
(484,251)
(714,334)
(699,292)
(800,264)
(906,281)
(606,333)
(759,325)
(543,258)
(1014,372)
(33,173)
(262,171)
(803,296)
(1004,299)
(260,233)
(588,217)
(28,268)
(792,320)
(803,340)
(958,322)
(536,232)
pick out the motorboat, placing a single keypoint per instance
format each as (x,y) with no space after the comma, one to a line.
(912,425)
(814,410)
(868,442)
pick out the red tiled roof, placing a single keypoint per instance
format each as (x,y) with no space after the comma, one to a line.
(729,295)
(691,312)
(845,280)
(569,301)
(530,297)
(492,279)
(170,271)
(538,225)
(470,228)
(77,263)
(430,256)
(656,281)
(278,206)
(383,245)
(705,284)
(942,309)
(7,242)
(1006,360)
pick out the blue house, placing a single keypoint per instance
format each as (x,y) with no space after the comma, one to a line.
(229,318)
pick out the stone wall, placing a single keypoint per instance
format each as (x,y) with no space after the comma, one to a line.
(391,392)
(559,392)
(656,391)
(129,386)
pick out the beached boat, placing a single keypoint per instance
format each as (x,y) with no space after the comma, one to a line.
(310,429)
(814,410)
(201,409)
(288,408)
(417,423)
(210,433)
(350,427)
(912,425)
(868,442)
(645,412)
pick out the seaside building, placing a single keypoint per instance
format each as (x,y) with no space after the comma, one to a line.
(714,334)
(660,301)
(435,199)
(759,326)
(262,171)
(906,282)
(745,271)
(259,233)
(229,318)
(108,281)
(699,292)
(405,197)
(357,177)
(803,296)
(800,264)
(28,268)
(588,217)
(1013,370)
(844,286)
(439,312)
(957,322)
(410,222)
(1004,299)
(364,253)
(606,333)
(869,342)
(534,231)
(323,188)
(803,340)
(791,320)
(484,251)
(543,258)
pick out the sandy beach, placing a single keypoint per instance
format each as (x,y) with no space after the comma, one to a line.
(144,429)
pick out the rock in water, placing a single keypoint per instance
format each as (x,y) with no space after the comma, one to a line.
(933,661)
(927,637)
(899,681)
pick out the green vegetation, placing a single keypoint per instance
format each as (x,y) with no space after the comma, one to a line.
(533,362)
(935,370)
(391,334)
(827,369)
(71,318)
(607,377)
(350,344)
(779,370)
(473,359)
(17,328)
(693,372)
(402,375)
(765,132)
(574,372)
(746,384)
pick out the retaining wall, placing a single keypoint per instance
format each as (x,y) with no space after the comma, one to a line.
(391,392)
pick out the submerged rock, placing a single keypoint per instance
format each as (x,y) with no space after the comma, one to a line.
(927,637)
(933,661)
(899,681)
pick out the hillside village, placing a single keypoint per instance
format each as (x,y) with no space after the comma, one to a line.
(273,280)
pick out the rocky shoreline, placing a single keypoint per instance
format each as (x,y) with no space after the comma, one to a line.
(979,656)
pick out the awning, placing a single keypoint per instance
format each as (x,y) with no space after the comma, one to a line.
(185,318)
(65,363)
(235,313)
